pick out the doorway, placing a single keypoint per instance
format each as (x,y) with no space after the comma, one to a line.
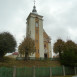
(45,55)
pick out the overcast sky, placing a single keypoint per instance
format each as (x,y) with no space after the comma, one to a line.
(60,17)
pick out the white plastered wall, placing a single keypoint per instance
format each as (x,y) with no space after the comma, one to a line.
(50,54)
(32,30)
(41,40)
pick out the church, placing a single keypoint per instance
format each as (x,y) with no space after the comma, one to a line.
(35,30)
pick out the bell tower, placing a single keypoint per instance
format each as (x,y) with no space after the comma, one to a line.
(35,31)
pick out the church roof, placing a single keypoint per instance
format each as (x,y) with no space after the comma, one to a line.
(46,37)
(34,10)
(35,15)
(15,53)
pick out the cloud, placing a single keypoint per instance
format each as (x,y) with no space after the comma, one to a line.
(60,17)
(58,21)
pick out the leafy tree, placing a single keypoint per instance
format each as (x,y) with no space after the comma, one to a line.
(69,57)
(27,47)
(59,47)
(7,43)
(67,51)
(71,46)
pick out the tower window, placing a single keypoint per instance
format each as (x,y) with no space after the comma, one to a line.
(38,50)
(36,24)
(37,31)
(44,45)
(36,41)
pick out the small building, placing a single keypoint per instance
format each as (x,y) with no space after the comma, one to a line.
(15,54)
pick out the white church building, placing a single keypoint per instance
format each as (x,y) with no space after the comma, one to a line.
(36,32)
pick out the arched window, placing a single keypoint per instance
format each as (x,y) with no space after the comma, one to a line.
(37,24)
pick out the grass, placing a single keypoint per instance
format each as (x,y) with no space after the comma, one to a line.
(10,62)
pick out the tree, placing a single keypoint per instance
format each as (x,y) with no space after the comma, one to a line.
(71,46)
(59,47)
(67,52)
(7,43)
(69,57)
(27,47)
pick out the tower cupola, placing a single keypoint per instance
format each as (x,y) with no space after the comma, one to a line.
(34,8)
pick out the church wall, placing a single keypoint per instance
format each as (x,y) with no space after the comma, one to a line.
(50,54)
(46,47)
(37,42)
(32,30)
(41,40)
(37,37)
(26,28)
(40,36)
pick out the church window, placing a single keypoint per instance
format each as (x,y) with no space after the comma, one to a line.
(37,24)
(44,45)
(38,50)
(37,31)
(36,41)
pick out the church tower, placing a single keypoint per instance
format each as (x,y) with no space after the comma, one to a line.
(36,32)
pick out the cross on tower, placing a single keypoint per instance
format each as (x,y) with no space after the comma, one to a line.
(34,8)
(34,2)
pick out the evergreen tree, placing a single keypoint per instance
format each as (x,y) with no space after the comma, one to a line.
(7,43)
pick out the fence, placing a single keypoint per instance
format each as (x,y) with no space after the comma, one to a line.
(6,72)
(37,71)
(33,58)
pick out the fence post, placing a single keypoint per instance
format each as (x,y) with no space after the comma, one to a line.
(14,71)
(50,72)
(34,71)
(63,70)
(75,70)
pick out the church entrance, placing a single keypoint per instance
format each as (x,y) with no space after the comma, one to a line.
(45,55)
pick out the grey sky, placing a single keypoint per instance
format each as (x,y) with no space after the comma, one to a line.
(60,17)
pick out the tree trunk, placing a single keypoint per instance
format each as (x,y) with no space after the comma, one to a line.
(1,59)
(26,56)
(60,55)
